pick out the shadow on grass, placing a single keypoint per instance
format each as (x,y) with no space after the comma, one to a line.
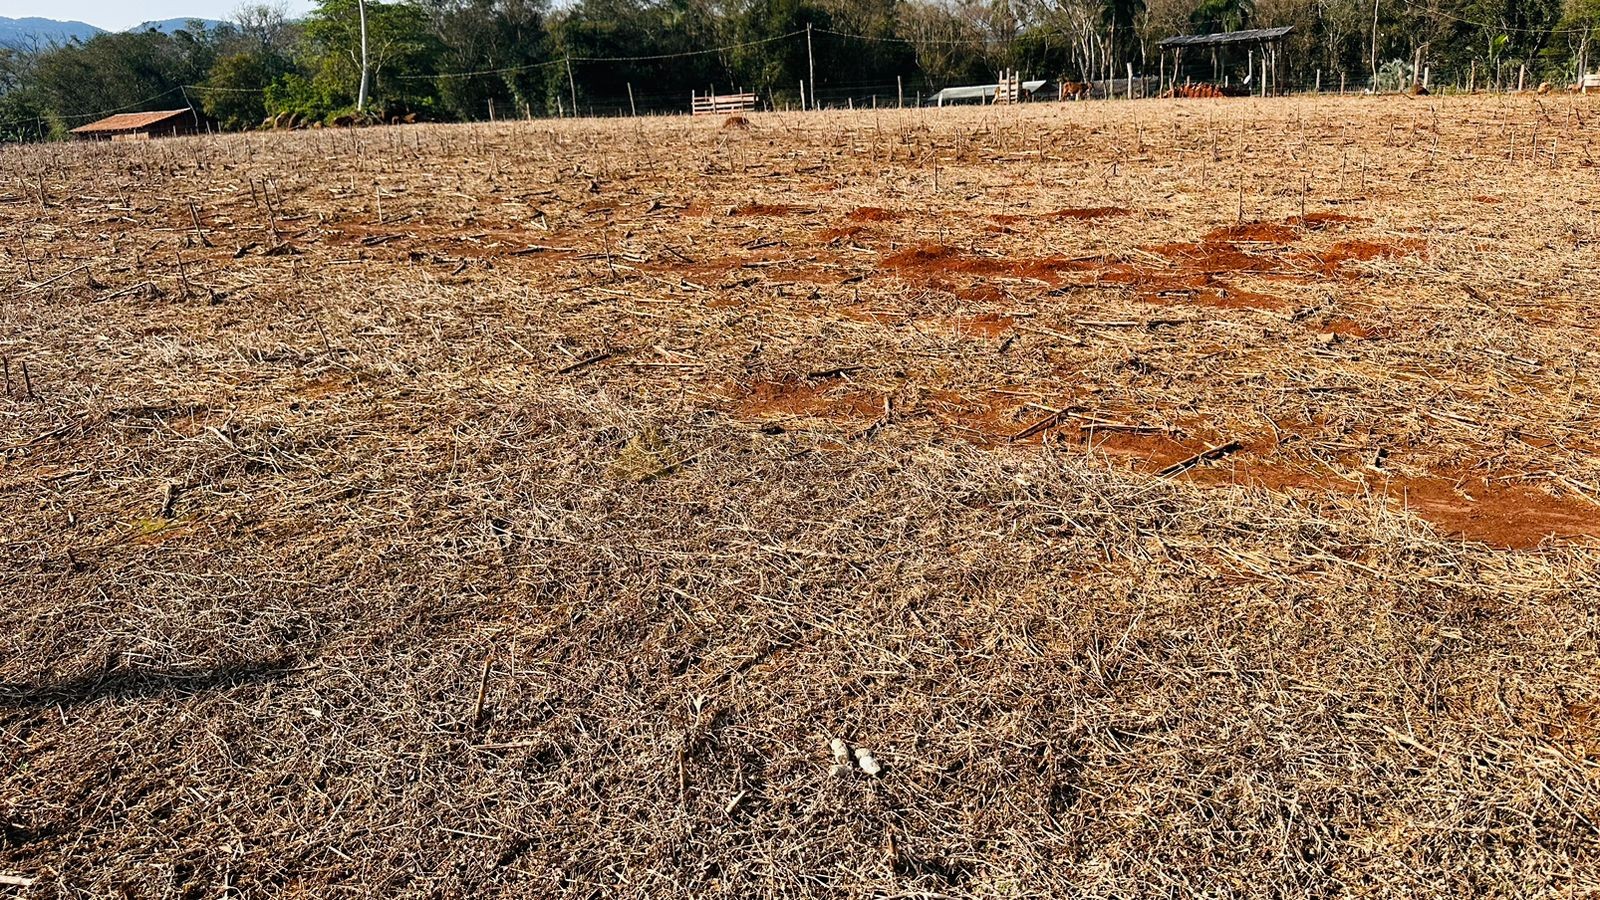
(123,684)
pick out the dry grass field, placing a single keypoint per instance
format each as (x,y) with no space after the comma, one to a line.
(1175,498)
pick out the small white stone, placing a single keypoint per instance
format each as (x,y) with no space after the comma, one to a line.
(838,770)
(869,764)
(841,750)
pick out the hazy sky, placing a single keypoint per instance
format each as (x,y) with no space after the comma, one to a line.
(116,15)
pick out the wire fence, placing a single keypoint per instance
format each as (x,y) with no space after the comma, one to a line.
(590,85)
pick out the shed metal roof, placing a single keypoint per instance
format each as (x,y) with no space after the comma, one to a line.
(981,91)
(130,121)
(1225,37)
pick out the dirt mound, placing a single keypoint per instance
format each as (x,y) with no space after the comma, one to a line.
(941,259)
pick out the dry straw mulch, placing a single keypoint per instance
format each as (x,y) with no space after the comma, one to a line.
(523,510)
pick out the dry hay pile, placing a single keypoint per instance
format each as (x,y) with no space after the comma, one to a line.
(520,516)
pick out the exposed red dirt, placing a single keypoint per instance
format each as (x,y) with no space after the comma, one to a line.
(841,233)
(1229,297)
(1505,516)
(1349,328)
(1502,515)
(939,259)
(1223,258)
(798,397)
(1363,251)
(988,325)
(873,214)
(1509,516)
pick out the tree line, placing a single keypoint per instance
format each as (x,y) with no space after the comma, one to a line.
(452,60)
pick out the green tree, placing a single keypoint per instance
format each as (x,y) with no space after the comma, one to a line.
(124,71)
(402,50)
(504,39)
(1222,15)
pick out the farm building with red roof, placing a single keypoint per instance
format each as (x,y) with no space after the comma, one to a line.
(138,126)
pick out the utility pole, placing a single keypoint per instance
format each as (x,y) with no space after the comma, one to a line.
(361,96)
(1374,46)
(572,86)
(811,62)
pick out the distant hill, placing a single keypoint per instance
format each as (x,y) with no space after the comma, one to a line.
(168,26)
(31,32)
(36,32)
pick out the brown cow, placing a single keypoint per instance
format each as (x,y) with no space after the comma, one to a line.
(1074,90)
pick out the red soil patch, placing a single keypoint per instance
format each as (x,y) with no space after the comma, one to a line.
(1508,516)
(983,423)
(1485,198)
(1223,258)
(834,235)
(770,209)
(1504,516)
(939,259)
(1152,452)
(873,214)
(988,325)
(1228,297)
(1363,251)
(796,397)
(978,293)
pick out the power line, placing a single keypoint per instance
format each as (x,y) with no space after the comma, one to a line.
(601,59)
(726,47)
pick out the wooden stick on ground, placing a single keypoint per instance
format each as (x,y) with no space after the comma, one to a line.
(1216,452)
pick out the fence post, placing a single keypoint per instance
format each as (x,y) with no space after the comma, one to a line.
(1319,81)
(900,91)
(632,110)
(1130,81)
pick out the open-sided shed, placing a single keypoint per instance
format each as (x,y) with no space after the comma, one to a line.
(138,126)
(1216,56)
